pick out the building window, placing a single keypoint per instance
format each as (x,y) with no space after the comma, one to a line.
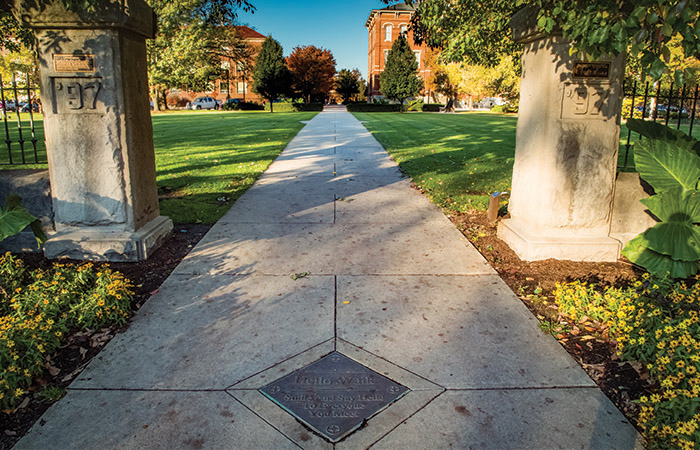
(240,66)
(387,33)
(210,87)
(223,87)
(241,87)
(404,29)
(386,56)
(225,65)
(417,53)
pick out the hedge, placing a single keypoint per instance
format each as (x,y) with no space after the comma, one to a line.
(242,106)
(373,107)
(295,107)
(432,107)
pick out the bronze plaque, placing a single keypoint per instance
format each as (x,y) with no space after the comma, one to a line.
(334,395)
(73,63)
(591,69)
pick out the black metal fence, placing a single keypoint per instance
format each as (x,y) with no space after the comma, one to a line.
(18,104)
(673,106)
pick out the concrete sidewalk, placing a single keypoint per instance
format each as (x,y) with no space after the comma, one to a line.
(392,284)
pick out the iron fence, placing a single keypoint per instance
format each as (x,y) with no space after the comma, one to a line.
(24,144)
(675,107)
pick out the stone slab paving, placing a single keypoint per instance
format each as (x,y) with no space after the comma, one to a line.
(392,285)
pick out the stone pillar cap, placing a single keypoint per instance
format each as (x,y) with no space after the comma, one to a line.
(524,25)
(132,15)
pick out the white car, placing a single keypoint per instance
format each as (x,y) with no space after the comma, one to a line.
(203,103)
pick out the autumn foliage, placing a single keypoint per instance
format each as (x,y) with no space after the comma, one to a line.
(313,72)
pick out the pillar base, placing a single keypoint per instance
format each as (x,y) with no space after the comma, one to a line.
(107,245)
(530,246)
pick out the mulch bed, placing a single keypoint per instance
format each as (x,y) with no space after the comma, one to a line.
(621,381)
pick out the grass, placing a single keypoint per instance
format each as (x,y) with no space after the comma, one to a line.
(16,150)
(457,159)
(205,160)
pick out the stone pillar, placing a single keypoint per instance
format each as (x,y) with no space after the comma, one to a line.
(565,153)
(99,137)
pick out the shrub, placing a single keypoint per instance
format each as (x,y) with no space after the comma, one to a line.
(373,107)
(656,322)
(627,109)
(505,108)
(415,105)
(40,308)
(175,99)
(432,107)
(295,107)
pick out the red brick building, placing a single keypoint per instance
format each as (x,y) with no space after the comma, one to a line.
(384,26)
(237,83)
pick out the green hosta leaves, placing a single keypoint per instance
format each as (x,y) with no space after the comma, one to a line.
(638,251)
(14,218)
(675,205)
(666,165)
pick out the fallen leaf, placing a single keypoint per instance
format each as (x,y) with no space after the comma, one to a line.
(345,302)
(53,370)
(587,338)
(10,433)
(24,403)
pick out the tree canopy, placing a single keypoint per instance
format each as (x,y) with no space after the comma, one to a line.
(271,77)
(399,79)
(313,71)
(479,32)
(347,84)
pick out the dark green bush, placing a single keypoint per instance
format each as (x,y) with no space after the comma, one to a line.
(295,107)
(415,105)
(504,108)
(432,107)
(373,107)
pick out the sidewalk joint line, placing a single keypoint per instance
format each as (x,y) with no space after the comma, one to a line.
(335,312)
(521,388)
(276,364)
(394,364)
(264,420)
(404,420)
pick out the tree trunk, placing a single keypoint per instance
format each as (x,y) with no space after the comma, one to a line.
(271,104)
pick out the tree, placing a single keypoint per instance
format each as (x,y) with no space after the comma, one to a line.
(271,77)
(313,71)
(347,84)
(399,80)
(477,32)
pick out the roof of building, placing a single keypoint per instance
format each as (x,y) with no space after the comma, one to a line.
(401,6)
(248,33)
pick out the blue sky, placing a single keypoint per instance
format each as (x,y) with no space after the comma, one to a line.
(337,26)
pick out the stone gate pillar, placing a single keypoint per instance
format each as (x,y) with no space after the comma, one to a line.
(99,137)
(566,150)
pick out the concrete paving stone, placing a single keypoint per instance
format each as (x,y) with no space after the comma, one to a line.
(387,205)
(301,168)
(341,185)
(419,248)
(151,420)
(533,419)
(421,393)
(457,331)
(210,332)
(283,208)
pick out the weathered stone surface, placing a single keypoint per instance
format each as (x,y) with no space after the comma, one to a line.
(516,419)
(151,420)
(566,153)
(97,121)
(629,217)
(211,332)
(422,323)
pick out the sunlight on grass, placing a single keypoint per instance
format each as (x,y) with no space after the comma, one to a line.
(457,159)
(206,160)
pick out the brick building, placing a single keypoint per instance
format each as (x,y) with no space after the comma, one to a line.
(384,26)
(237,79)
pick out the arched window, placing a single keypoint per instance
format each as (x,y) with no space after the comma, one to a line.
(387,33)
(404,29)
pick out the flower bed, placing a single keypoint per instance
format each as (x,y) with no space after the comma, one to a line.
(37,308)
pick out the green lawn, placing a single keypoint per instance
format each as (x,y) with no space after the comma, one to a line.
(29,156)
(205,160)
(457,159)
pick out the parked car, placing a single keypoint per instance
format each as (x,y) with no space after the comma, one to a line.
(233,100)
(25,107)
(203,103)
(9,106)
